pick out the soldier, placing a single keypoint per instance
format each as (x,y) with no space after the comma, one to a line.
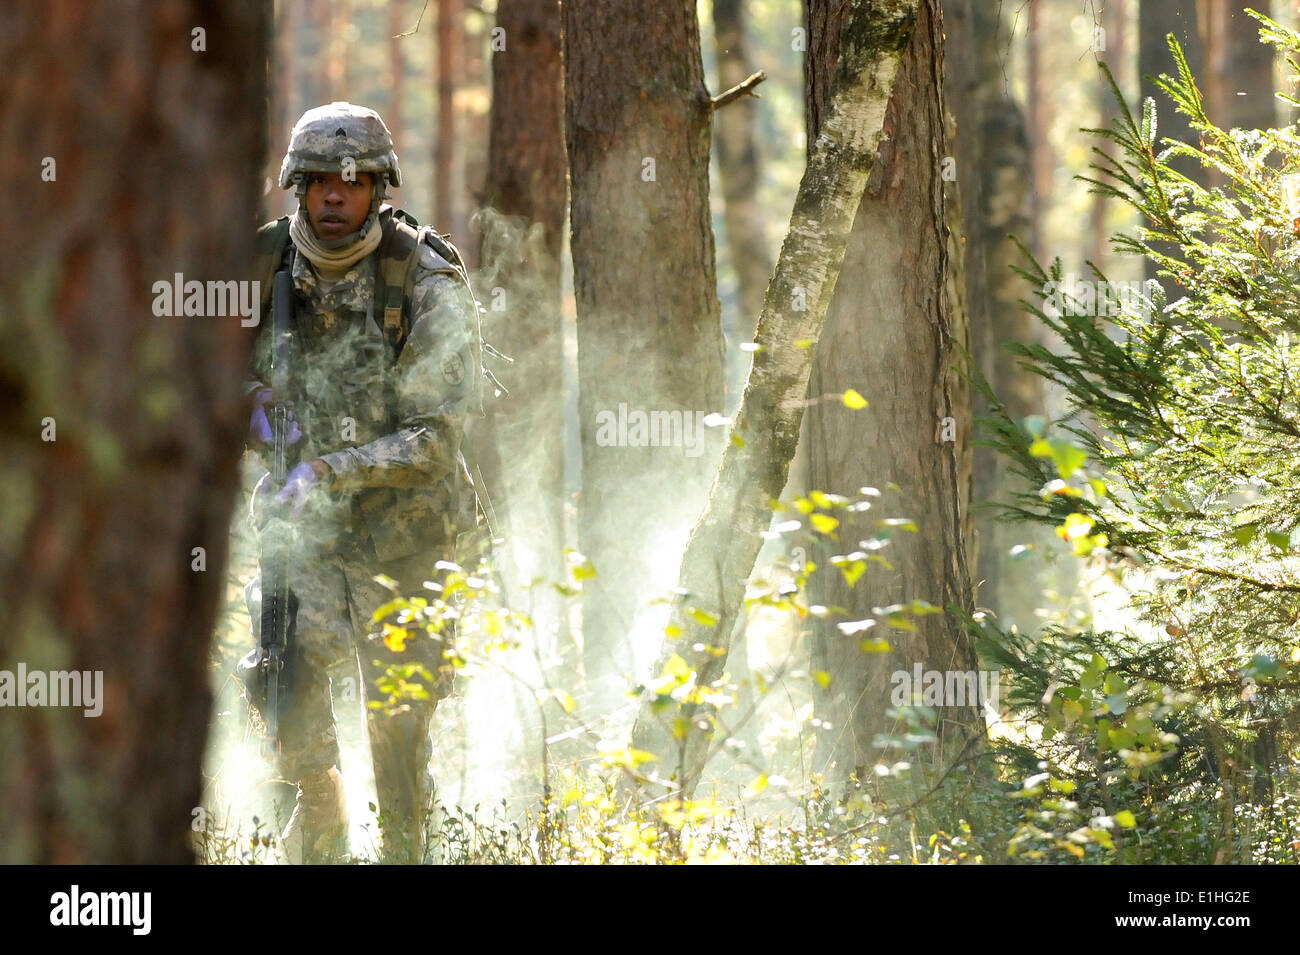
(385,369)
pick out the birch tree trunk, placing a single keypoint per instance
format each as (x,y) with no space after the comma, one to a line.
(895,332)
(755,464)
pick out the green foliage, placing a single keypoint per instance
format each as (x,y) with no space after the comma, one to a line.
(1175,469)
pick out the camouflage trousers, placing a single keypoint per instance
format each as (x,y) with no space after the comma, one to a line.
(337,596)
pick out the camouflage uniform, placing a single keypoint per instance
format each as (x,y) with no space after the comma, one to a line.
(397,495)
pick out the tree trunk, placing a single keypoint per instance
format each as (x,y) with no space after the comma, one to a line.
(755,464)
(393,115)
(281,96)
(475,131)
(447,147)
(893,333)
(340,47)
(322,16)
(122,430)
(738,169)
(1113,19)
(736,148)
(1040,156)
(1239,69)
(1156,19)
(992,166)
(638,121)
(520,445)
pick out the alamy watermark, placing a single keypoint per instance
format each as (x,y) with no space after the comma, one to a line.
(76,907)
(655,429)
(945,687)
(1076,296)
(77,688)
(211,299)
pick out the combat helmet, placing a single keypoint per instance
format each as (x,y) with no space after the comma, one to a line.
(326,136)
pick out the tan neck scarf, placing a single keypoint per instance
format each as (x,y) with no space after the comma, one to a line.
(333,261)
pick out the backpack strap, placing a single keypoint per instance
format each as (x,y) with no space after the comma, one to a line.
(272,251)
(399,253)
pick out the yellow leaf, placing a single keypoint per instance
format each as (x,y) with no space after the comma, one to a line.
(395,637)
(677,667)
(702,616)
(824,523)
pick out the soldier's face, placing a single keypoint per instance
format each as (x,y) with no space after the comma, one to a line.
(336,206)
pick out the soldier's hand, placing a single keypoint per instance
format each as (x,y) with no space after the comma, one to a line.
(259,426)
(299,484)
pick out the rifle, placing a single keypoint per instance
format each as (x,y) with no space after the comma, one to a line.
(279,605)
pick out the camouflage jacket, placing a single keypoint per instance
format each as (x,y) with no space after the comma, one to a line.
(390,431)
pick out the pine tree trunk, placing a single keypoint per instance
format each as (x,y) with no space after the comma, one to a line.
(520,445)
(756,464)
(322,17)
(738,168)
(638,121)
(893,333)
(159,152)
(447,146)
(1157,19)
(1239,69)
(1040,155)
(393,113)
(1113,19)
(282,95)
(475,124)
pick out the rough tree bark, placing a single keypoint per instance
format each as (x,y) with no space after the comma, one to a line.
(638,121)
(520,445)
(754,468)
(158,153)
(894,332)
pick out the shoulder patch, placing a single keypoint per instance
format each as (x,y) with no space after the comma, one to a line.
(453,369)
